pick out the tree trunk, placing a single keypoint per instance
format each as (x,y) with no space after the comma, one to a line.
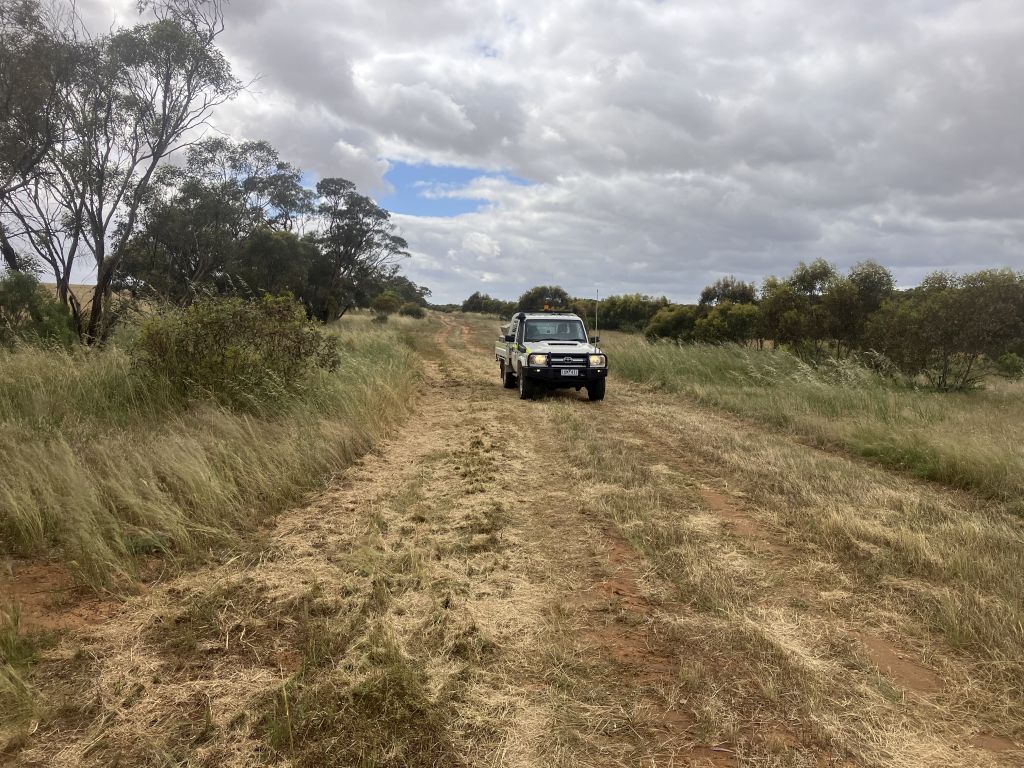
(103,280)
(9,254)
(966,376)
(67,297)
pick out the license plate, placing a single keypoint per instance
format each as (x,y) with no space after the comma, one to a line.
(570,372)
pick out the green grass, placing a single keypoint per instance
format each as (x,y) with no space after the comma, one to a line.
(970,440)
(103,464)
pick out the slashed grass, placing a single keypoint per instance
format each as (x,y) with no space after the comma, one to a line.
(768,630)
(372,707)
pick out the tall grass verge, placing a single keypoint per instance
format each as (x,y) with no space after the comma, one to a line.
(972,441)
(102,464)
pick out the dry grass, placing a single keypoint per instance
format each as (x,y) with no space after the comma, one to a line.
(357,633)
(17,652)
(103,465)
(967,440)
(687,591)
(824,545)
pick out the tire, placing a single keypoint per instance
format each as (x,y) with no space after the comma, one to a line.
(525,388)
(595,390)
(508,379)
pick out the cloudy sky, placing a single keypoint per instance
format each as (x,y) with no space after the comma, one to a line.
(646,145)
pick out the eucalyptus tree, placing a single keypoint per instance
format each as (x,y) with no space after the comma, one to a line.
(203,219)
(35,67)
(135,96)
(358,245)
(728,288)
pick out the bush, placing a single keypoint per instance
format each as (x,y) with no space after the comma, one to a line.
(385,303)
(1011,365)
(240,353)
(411,309)
(727,322)
(481,302)
(631,312)
(29,313)
(535,299)
(951,328)
(677,321)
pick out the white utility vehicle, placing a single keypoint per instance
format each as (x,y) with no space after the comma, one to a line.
(550,350)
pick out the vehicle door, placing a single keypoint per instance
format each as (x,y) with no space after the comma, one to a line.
(510,346)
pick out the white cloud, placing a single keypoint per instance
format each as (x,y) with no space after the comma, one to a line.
(668,142)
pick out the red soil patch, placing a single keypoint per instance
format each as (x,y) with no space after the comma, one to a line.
(992,743)
(48,599)
(645,659)
(742,524)
(895,663)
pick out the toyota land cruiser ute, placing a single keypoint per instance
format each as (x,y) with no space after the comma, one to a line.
(538,351)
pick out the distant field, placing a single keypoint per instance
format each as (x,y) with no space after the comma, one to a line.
(82,291)
(972,440)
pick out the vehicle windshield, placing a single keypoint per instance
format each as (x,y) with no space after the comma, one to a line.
(555,329)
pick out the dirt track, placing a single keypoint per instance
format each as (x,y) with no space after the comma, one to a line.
(639,607)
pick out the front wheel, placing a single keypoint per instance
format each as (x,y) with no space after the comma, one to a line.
(525,388)
(508,379)
(595,390)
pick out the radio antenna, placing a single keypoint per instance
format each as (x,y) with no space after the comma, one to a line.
(597,301)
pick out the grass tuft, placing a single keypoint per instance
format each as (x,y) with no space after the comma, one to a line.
(17,652)
(372,708)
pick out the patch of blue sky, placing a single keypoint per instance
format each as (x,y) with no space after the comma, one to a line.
(435,190)
(487,50)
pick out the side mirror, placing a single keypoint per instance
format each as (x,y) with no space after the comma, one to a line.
(509,337)
(594,339)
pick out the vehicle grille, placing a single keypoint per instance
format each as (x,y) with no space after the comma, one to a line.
(563,360)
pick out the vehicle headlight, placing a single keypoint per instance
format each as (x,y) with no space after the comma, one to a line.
(538,360)
(598,361)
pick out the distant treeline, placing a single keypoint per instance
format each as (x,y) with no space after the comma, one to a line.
(951,330)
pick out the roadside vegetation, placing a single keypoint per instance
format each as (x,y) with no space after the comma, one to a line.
(192,389)
(203,382)
(968,440)
(151,454)
(950,333)
(214,417)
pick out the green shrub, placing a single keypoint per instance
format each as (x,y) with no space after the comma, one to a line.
(411,309)
(28,313)
(630,312)
(677,321)
(385,303)
(951,328)
(240,353)
(1011,365)
(727,322)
